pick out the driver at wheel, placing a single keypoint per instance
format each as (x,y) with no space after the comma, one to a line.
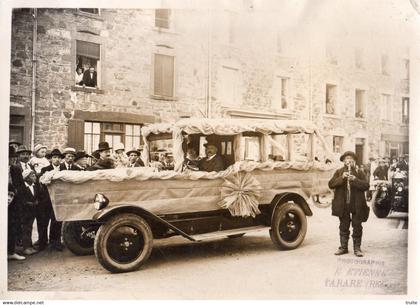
(213,161)
(349,203)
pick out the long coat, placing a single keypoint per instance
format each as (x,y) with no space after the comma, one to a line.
(358,187)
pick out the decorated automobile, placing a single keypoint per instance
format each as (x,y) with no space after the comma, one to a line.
(266,173)
(391,196)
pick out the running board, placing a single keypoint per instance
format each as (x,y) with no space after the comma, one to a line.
(224,233)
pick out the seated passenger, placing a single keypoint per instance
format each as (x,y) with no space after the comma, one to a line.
(192,161)
(213,161)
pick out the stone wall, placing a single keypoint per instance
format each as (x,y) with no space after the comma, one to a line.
(128,40)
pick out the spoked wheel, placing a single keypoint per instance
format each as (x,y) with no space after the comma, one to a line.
(123,243)
(79,236)
(288,227)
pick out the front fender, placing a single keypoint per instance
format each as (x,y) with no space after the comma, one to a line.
(289,196)
(104,214)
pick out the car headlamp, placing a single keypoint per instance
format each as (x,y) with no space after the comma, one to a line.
(400,189)
(100,201)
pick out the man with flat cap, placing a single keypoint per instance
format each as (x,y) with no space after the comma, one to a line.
(212,161)
(349,203)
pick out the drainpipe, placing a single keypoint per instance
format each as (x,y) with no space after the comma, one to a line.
(209,71)
(34,40)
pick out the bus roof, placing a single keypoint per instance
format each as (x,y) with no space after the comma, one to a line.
(231,126)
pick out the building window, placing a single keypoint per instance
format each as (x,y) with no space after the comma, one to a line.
(164,75)
(93,11)
(405,110)
(17,128)
(279,46)
(162,18)
(88,55)
(230,86)
(386,107)
(358,57)
(281,87)
(406,69)
(338,144)
(331,55)
(113,133)
(331,99)
(360,104)
(232,28)
(384,64)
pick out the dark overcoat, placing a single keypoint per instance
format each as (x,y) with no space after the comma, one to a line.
(358,187)
(215,164)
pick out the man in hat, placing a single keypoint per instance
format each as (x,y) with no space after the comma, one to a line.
(403,164)
(46,212)
(13,215)
(16,170)
(134,158)
(105,161)
(69,153)
(121,159)
(81,160)
(212,162)
(29,196)
(349,203)
(381,172)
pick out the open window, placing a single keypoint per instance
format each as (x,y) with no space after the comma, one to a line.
(293,147)
(224,144)
(161,151)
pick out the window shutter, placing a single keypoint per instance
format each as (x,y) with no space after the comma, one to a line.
(164,75)
(88,49)
(76,134)
(162,18)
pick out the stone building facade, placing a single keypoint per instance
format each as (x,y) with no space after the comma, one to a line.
(162,65)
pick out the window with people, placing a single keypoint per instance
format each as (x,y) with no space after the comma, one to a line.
(87,64)
(208,153)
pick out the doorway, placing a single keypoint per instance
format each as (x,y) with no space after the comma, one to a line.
(359,150)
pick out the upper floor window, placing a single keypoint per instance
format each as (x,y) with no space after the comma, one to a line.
(164,75)
(331,99)
(229,86)
(162,18)
(358,58)
(281,96)
(331,54)
(384,64)
(406,69)
(360,104)
(88,55)
(386,107)
(93,11)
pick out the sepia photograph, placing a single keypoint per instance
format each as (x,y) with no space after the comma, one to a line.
(209,150)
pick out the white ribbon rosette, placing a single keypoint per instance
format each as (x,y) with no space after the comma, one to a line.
(240,193)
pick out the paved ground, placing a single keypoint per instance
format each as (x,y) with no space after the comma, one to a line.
(248,267)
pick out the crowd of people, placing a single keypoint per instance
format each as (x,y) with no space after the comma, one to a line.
(384,168)
(29,200)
